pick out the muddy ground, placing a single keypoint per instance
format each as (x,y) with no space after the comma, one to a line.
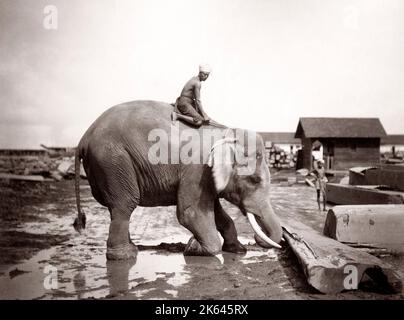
(37,241)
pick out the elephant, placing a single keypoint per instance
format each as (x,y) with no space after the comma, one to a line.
(116,155)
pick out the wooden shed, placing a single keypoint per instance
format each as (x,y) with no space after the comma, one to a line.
(341,142)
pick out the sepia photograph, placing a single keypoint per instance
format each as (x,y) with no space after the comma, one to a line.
(223,152)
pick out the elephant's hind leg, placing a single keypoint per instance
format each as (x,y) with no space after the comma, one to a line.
(225,226)
(121,194)
(119,245)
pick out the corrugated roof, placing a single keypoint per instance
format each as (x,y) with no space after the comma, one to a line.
(393,139)
(280,137)
(340,128)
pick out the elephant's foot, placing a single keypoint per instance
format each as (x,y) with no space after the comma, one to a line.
(236,247)
(123,252)
(194,248)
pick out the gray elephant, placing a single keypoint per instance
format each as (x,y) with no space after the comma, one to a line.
(120,163)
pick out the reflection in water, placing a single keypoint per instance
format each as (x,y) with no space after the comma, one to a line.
(212,261)
(118,275)
(79,282)
(226,258)
(231,258)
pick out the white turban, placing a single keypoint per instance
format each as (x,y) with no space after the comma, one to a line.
(205,68)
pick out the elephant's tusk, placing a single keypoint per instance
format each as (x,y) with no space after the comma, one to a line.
(259,232)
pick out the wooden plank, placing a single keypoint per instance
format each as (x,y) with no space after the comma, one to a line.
(309,182)
(329,265)
(374,225)
(34,178)
(347,194)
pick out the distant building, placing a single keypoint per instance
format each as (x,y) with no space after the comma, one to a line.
(392,143)
(341,142)
(283,140)
(46,151)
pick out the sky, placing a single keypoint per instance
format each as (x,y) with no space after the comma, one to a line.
(272,61)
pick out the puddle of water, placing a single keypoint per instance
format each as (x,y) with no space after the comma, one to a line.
(173,293)
(28,285)
(82,273)
(150,264)
(116,277)
(255,256)
(97,279)
(141,293)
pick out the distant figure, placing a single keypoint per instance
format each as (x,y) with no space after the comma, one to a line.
(317,150)
(320,183)
(188,104)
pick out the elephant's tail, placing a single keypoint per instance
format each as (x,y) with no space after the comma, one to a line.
(80,222)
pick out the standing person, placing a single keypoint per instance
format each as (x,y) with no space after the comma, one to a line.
(188,104)
(320,182)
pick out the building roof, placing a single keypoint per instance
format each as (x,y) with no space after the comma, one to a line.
(393,139)
(280,137)
(339,128)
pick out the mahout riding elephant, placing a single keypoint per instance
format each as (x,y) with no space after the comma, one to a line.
(125,170)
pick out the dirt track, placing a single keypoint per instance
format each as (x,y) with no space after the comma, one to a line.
(36,232)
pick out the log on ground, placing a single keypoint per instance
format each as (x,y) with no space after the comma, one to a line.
(372,225)
(332,267)
(347,194)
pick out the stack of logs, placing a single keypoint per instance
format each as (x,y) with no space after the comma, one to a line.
(28,165)
(20,166)
(278,158)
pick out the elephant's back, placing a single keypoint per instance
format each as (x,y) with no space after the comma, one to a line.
(126,120)
(134,114)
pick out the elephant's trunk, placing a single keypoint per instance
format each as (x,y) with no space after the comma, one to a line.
(271,231)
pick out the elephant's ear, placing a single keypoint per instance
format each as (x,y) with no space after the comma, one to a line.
(221,160)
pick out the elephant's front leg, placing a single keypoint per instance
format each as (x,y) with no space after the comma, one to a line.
(206,241)
(225,226)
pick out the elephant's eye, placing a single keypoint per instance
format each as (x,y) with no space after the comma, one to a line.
(255,179)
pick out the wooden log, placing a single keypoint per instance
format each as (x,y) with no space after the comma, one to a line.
(392,176)
(331,266)
(347,194)
(7,176)
(309,182)
(363,176)
(374,225)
